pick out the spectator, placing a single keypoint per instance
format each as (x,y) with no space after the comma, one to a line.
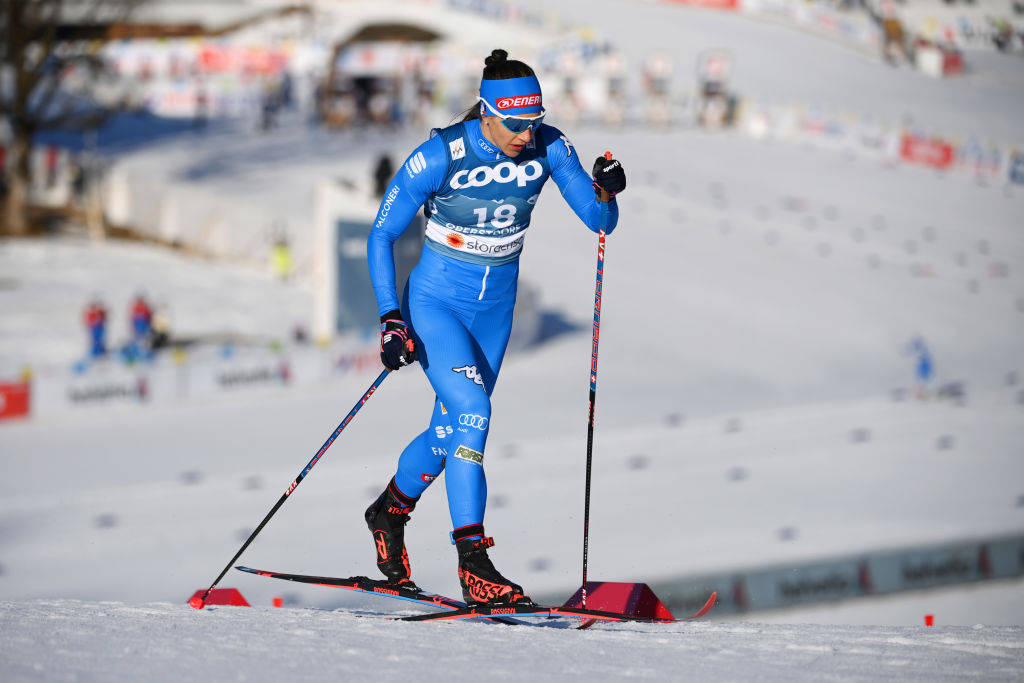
(924,367)
(382,175)
(95,319)
(142,328)
(281,258)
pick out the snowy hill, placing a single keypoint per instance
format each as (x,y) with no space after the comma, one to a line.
(755,407)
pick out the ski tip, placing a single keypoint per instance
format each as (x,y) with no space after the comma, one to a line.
(707,606)
(608,155)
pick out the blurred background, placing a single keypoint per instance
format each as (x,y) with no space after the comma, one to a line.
(810,394)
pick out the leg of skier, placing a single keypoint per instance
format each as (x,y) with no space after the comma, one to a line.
(463,361)
(420,464)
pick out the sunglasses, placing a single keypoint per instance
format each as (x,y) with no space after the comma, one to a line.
(515,124)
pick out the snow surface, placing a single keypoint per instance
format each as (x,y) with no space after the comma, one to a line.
(68,640)
(757,305)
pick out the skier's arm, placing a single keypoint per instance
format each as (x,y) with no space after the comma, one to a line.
(417,179)
(574,183)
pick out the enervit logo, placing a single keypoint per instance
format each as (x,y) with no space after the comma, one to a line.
(471,373)
(476,421)
(504,172)
(417,162)
(518,101)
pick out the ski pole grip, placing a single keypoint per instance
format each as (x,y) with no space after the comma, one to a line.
(605,197)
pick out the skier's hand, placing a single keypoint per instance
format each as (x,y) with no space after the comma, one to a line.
(397,349)
(608,176)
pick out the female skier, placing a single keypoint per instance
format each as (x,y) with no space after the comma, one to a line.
(479,180)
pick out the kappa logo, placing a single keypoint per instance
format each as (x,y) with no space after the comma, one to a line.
(442,431)
(417,162)
(471,373)
(457,148)
(568,145)
(504,172)
(477,421)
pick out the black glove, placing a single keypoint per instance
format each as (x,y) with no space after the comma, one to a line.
(397,348)
(608,176)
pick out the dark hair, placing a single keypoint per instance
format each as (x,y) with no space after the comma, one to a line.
(498,66)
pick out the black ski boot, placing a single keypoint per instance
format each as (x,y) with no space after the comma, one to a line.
(481,582)
(386,519)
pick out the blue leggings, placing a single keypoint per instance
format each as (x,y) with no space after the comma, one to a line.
(461,315)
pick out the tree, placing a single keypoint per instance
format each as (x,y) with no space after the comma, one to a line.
(48,75)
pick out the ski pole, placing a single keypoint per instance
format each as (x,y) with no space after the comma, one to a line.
(199,602)
(605,198)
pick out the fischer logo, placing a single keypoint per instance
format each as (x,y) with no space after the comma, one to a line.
(139,390)
(504,172)
(518,101)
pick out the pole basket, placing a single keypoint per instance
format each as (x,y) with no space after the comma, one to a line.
(634,599)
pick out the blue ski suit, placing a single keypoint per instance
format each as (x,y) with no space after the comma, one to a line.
(460,297)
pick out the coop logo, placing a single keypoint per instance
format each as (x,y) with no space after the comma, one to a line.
(504,172)
(476,421)
(471,373)
(518,101)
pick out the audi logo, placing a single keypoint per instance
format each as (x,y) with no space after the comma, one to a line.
(477,421)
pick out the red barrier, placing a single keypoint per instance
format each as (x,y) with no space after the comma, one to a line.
(14,399)
(223,596)
(636,599)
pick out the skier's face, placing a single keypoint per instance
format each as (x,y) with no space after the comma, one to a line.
(511,144)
